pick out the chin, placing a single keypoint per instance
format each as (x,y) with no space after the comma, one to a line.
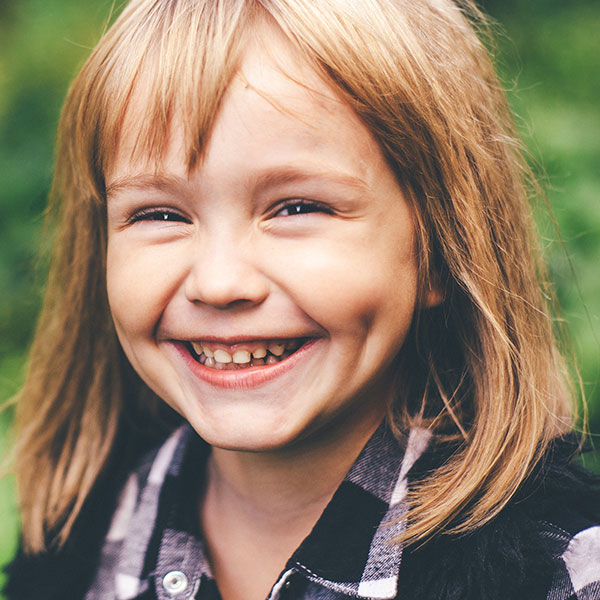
(246,437)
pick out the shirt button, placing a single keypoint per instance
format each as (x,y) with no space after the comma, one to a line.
(175,582)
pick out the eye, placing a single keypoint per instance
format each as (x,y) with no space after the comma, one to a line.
(163,215)
(301,207)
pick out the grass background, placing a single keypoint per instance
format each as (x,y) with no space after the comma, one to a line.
(548,58)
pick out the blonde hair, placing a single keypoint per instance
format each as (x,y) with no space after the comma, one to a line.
(482,368)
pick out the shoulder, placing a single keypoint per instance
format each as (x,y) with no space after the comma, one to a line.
(559,510)
(67,571)
(569,522)
(544,545)
(577,572)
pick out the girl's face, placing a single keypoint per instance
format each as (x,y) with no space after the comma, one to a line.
(288,252)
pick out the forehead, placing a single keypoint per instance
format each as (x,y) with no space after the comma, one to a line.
(274,96)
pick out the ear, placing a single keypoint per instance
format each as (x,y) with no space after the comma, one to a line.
(434,295)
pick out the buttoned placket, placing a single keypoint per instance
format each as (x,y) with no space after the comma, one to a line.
(183,582)
(179,567)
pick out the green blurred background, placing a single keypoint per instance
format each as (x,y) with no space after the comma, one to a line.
(549,60)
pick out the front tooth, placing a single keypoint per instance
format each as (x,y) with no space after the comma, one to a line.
(197,348)
(221,356)
(208,352)
(241,356)
(271,360)
(276,349)
(260,352)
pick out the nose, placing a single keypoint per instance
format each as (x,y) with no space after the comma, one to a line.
(224,274)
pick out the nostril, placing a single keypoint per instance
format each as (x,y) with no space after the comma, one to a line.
(235,304)
(226,288)
(228,306)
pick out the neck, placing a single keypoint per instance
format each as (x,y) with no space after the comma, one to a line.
(259,506)
(271,487)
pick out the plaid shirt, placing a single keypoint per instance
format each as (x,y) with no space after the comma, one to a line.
(153,549)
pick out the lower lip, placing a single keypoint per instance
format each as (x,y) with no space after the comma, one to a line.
(244,379)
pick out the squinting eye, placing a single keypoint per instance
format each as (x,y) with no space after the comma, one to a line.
(163,215)
(301,207)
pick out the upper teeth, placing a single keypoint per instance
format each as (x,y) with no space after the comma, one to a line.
(276,349)
(241,356)
(222,356)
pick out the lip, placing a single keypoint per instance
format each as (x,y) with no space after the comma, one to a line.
(248,378)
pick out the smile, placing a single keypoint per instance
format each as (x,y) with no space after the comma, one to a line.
(244,355)
(244,365)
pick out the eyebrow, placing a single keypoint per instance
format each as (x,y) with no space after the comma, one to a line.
(258,182)
(286,175)
(157,181)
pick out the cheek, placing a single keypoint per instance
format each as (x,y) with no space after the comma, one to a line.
(138,285)
(352,286)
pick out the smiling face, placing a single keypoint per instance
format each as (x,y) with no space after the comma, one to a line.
(265,295)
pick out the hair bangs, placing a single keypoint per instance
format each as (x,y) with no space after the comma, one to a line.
(159,62)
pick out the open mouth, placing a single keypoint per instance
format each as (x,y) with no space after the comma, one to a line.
(244,355)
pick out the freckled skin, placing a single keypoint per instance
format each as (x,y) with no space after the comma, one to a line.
(230,261)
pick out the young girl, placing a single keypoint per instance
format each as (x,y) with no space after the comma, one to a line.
(294,343)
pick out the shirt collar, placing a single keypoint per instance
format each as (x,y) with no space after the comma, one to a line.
(351,550)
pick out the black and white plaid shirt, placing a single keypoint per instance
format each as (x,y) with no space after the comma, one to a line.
(153,549)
